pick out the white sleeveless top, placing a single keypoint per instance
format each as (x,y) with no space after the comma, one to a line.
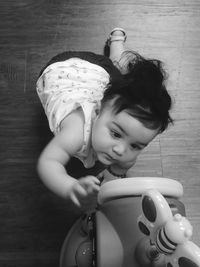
(67,85)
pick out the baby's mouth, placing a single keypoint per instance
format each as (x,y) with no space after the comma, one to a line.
(109,157)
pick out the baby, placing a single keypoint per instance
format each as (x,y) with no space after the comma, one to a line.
(101,113)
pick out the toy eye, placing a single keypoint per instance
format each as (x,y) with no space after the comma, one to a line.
(149,208)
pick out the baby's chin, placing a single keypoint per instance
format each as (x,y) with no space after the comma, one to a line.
(104,159)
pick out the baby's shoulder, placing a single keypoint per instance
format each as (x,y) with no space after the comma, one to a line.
(72,128)
(74,120)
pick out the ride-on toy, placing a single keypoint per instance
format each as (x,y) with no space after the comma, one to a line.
(140,222)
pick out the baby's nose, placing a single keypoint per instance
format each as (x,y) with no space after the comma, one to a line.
(119,149)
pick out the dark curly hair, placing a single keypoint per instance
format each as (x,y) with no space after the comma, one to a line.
(142,93)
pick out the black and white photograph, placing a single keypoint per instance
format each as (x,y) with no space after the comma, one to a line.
(100,133)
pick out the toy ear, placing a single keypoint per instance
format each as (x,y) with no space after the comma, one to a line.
(143,228)
(149,211)
(155,213)
(155,208)
(149,208)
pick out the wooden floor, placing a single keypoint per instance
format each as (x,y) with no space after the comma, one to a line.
(34,222)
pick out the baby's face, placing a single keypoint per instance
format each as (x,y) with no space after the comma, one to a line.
(119,138)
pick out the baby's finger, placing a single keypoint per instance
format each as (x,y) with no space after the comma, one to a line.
(90,180)
(75,200)
(94,188)
(95,180)
(90,185)
(80,190)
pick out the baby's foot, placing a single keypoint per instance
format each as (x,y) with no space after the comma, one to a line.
(116,42)
(117,34)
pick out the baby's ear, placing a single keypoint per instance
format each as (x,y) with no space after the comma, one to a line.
(97,111)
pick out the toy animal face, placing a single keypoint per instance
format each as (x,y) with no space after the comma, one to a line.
(169,233)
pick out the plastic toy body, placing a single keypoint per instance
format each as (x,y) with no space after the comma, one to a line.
(112,236)
(168,234)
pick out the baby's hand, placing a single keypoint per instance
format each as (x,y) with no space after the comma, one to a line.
(84,192)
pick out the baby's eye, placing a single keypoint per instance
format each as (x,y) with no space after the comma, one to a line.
(135,147)
(115,134)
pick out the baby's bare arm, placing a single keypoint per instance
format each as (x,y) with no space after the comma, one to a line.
(52,161)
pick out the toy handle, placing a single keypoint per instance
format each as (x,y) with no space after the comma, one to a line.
(169,233)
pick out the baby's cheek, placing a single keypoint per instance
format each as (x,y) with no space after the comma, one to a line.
(130,160)
(105,137)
